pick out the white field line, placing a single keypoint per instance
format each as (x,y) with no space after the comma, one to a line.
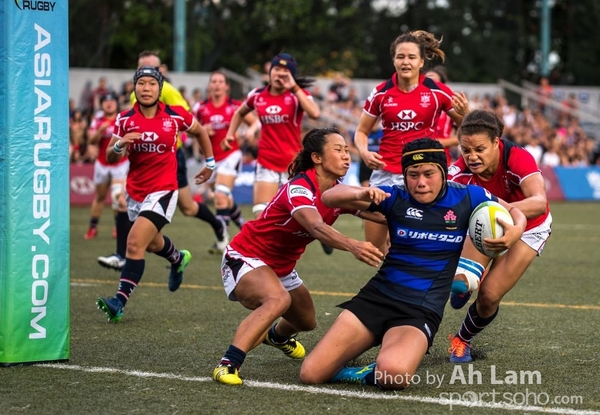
(324,390)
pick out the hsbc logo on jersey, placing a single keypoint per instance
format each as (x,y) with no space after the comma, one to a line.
(273,115)
(273,109)
(148,144)
(407,115)
(149,137)
(216,119)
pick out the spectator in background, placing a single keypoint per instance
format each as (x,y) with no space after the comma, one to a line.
(546,93)
(77,137)
(196,96)
(534,147)
(125,95)
(338,90)
(317,94)
(100,91)
(551,158)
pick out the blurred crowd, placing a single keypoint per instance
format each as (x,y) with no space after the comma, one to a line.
(552,136)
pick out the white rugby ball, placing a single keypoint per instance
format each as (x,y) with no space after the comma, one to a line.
(483,224)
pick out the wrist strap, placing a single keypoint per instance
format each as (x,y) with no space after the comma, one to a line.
(117,148)
(210,163)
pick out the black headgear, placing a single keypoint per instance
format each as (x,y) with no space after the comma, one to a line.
(151,71)
(425,151)
(111,96)
(287,61)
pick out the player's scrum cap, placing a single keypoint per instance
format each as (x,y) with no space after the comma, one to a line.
(151,71)
(424,151)
(111,96)
(287,61)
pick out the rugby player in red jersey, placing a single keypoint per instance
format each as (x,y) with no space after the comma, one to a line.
(215,114)
(147,134)
(511,173)
(258,267)
(409,105)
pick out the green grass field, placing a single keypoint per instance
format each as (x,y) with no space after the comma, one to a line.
(159,358)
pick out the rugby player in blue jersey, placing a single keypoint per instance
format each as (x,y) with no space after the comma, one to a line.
(401,307)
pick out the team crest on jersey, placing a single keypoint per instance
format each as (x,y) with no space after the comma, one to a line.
(167,125)
(425,99)
(450,219)
(296,190)
(149,137)
(287,100)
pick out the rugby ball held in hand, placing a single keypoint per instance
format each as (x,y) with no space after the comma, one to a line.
(483,224)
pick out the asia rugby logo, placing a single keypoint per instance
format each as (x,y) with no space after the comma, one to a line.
(44,6)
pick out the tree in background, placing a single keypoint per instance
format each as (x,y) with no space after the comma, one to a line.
(484,40)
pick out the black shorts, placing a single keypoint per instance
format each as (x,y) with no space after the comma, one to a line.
(379,313)
(182,180)
(364,172)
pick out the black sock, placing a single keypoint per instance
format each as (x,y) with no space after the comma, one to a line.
(235,213)
(130,277)
(473,324)
(277,338)
(233,356)
(172,254)
(94,222)
(223,214)
(123,226)
(205,214)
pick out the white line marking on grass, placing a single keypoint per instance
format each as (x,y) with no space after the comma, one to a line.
(324,390)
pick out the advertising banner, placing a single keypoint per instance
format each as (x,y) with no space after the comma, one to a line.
(34,177)
(579,183)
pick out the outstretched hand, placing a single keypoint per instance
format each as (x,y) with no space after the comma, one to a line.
(374,195)
(203,176)
(367,252)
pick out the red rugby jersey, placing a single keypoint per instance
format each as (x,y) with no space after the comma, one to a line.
(406,116)
(515,165)
(281,121)
(275,237)
(219,119)
(153,163)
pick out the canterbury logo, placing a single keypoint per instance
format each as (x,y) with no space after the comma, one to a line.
(418,157)
(414,213)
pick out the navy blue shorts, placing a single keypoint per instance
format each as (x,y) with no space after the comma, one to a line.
(380,312)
